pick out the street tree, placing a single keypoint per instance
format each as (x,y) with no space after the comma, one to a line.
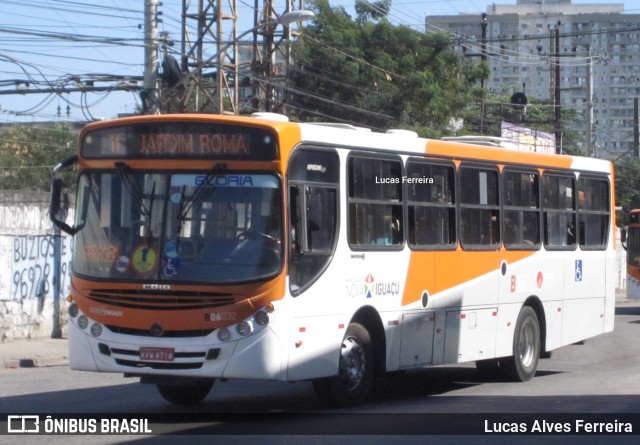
(368,72)
(627,172)
(485,116)
(28,153)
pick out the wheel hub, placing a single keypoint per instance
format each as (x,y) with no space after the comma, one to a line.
(352,362)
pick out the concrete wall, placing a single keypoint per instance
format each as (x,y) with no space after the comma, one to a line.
(26,267)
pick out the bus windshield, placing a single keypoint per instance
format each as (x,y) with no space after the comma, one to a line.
(188,227)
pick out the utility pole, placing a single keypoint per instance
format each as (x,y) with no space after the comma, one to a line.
(636,129)
(271,54)
(557,125)
(212,82)
(150,98)
(591,149)
(263,62)
(483,58)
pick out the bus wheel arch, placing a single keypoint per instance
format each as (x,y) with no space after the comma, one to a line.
(355,371)
(362,356)
(535,303)
(368,317)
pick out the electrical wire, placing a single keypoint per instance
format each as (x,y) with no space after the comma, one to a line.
(133,13)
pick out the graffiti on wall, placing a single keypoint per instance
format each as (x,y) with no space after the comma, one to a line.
(32,266)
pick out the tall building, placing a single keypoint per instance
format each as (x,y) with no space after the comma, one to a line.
(597,49)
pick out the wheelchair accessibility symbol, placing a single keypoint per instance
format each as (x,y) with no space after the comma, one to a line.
(578,270)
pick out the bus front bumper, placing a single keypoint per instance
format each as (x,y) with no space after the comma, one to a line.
(256,356)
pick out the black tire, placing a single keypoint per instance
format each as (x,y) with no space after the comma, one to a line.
(186,394)
(522,366)
(489,367)
(355,371)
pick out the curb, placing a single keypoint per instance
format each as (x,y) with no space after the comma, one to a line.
(38,353)
(38,362)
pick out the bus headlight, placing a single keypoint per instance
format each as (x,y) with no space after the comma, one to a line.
(243,328)
(224,335)
(262,318)
(96,329)
(73,310)
(83,322)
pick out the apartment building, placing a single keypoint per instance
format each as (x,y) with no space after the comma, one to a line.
(598,52)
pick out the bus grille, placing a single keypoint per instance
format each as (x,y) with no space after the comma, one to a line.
(172,334)
(156,365)
(159,300)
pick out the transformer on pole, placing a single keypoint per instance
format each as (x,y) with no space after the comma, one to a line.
(209,55)
(221,73)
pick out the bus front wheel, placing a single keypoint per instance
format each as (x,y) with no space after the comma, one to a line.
(526,348)
(355,371)
(185,394)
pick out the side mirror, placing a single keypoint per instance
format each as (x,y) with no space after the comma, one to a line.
(55,202)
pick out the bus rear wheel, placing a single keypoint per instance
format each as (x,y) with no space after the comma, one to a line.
(185,394)
(355,371)
(522,366)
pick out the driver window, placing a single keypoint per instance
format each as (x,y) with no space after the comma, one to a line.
(313,215)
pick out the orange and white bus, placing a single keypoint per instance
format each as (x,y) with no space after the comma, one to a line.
(631,241)
(219,247)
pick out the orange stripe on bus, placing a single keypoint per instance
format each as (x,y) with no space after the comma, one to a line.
(479,153)
(438,271)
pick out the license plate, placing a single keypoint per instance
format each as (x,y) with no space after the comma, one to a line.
(157,354)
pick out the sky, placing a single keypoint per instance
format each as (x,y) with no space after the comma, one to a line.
(49,44)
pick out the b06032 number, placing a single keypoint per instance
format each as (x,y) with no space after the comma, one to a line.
(221,316)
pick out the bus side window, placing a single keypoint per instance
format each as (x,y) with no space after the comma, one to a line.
(521,210)
(479,207)
(559,211)
(593,212)
(312,230)
(321,224)
(375,202)
(431,205)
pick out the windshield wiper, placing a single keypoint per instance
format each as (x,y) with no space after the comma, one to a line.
(200,194)
(125,173)
(152,199)
(180,219)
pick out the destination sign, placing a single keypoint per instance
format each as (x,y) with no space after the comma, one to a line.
(180,140)
(163,144)
(225,180)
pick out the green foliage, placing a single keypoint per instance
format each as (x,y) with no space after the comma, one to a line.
(29,152)
(377,75)
(367,10)
(627,172)
(537,115)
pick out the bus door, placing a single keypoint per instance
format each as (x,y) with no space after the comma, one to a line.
(471,318)
(431,236)
(586,272)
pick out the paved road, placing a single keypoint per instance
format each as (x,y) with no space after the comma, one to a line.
(601,376)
